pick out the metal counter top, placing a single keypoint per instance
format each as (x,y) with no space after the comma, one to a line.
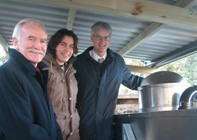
(164,125)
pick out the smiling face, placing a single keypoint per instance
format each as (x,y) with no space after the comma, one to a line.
(32,43)
(64,50)
(101,40)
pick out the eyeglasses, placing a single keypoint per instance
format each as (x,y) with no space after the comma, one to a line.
(98,37)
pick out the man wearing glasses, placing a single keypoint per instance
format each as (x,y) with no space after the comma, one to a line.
(100,71)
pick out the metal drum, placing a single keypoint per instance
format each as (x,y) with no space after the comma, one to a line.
(161,91)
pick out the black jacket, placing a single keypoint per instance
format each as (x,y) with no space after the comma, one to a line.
(25,109)
(98,90)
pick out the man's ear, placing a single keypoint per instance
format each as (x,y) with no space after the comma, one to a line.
(15,43)
(92,37)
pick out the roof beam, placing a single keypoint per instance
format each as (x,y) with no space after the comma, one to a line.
(71,18)
(176,55)
(149,31)
(140,9)
(141,69)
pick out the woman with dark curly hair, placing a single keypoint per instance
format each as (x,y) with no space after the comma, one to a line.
(62,85)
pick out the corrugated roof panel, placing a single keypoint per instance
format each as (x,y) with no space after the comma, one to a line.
(160,42)
(164,41)
(123,28)
(11,12)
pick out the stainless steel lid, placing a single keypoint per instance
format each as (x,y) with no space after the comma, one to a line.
(163,77)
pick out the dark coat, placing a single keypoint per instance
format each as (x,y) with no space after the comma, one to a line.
(25,109)
(98,90)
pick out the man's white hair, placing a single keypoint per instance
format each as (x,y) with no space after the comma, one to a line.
(17,29)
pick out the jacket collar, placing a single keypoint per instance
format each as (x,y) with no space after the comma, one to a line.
(110,53)
(23,62)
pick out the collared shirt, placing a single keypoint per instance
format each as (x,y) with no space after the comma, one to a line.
(100,91)
(95,56)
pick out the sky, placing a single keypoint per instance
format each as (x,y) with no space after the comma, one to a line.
(2,52)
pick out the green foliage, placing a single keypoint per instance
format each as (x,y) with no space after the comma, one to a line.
(186,67)
(2,60)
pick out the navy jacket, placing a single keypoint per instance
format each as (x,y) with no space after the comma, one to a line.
(98,90)
(25,109)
